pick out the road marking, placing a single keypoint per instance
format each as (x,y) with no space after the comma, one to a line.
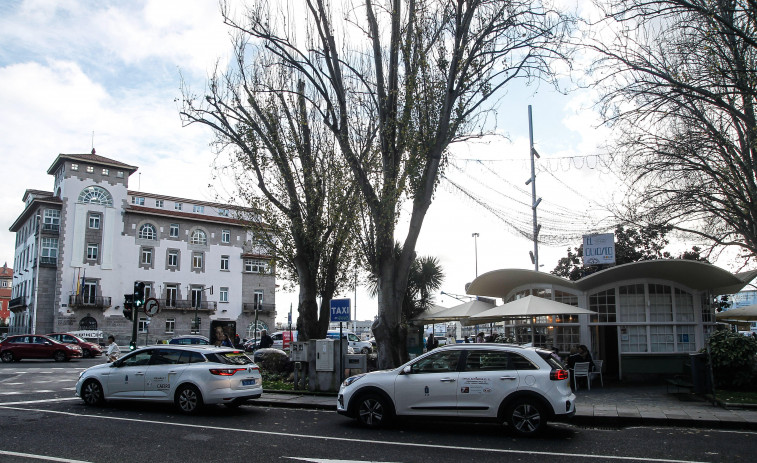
(39,457)
(342,440)
(26,392)
(322,460)
(42,401)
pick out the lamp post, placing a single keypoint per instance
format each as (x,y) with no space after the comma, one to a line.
(475,247)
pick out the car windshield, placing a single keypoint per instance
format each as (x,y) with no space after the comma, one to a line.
(236,357)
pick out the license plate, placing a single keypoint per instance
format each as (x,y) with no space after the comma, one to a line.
(248,382)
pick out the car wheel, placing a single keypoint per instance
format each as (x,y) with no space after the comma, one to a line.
(92,393)
(59,356)
(365,350)
(188,399)
(7,356)
(373,411)
(526,417)
(86,353)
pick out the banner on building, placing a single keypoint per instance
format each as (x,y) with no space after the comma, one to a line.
(599,249)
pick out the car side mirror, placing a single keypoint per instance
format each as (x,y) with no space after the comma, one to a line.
(407,370)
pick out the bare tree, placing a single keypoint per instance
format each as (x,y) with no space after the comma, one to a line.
(285,165)
(679,80)
(396,82)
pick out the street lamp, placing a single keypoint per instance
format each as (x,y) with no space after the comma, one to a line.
(475,246)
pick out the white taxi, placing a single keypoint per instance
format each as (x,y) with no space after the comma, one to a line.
(522,386)
(188,376)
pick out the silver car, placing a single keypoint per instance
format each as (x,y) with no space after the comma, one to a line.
(521,386)
(188,376)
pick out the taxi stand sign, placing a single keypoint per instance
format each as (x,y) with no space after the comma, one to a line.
(340,310)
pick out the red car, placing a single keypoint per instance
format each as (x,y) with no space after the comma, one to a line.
(88,349)
(35,346)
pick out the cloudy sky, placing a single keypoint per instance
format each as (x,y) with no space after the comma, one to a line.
(74,74)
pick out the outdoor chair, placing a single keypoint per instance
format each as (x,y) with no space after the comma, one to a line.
(581,369)
(597,372)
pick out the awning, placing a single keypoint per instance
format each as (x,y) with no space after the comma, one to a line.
(529,306)
(457,312)
(426,314)
(747,313)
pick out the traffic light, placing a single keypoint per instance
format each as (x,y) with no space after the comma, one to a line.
(139,294)
(128,305)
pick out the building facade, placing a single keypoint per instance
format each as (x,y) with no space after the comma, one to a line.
(6,283)
(649,316)
(81,248)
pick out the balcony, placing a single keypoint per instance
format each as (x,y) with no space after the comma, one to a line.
(17,304)
(88,302)
(51,261)
(51,228)
(249,307)
(187,304)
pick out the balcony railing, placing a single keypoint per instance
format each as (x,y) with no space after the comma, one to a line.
(51,227)
(48,260)
(187,304)
(17,303)
(88,302)
(249,307)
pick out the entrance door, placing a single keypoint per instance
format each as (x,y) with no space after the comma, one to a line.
(605,347)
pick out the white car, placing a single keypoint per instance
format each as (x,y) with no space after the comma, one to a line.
(358,345)
(188,376)
(522,386)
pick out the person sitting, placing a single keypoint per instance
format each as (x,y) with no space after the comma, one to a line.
(585,356)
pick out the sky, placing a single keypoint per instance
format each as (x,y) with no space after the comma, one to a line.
(79,74)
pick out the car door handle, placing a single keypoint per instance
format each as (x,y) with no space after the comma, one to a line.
(507,377)
(447,380)
(172,372)
(139,373)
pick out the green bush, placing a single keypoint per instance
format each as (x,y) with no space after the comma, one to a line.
(733,359)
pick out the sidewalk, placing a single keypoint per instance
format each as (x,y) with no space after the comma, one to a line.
(609,406)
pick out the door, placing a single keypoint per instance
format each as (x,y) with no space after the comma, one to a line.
(126,377)
(163,373)
(487,378)
(430,388)
(41,348)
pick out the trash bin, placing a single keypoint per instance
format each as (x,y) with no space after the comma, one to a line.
(700,374)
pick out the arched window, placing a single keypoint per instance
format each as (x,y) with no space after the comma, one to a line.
(198,237)
(147,232)
(95,195)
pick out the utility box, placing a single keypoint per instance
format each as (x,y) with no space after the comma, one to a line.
(324,355)
(356,362)
(299,352)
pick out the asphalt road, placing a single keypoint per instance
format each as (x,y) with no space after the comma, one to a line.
(40,420)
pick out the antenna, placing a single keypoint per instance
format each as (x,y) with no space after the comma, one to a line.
(93,140)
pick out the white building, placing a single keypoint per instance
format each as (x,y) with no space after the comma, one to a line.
(81,248)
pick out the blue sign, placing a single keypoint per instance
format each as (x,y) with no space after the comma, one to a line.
(340,310)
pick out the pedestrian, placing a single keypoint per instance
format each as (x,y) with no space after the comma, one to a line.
(480,337)
(265,340)
(226,341)
(466,340)
(237,341)
(113,351)
(431,343)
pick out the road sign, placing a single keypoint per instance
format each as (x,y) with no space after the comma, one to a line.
(152,307)
(340,310)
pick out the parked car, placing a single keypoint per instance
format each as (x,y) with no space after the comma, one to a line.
(358,345)
(190,339)
(188,376)
(524,387)
(34,346)
(88,349)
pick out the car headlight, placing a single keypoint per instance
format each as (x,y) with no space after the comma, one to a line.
(70,347)
(352,379)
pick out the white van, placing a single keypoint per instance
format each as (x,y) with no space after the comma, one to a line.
(357,345)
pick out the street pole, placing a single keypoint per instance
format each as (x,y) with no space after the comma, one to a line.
(534,202)
(475,247)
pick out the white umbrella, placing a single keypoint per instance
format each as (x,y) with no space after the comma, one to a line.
(529,306)
(746,313)
(456,313)
(430,312)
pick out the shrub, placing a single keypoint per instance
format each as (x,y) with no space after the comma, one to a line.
(733,359)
